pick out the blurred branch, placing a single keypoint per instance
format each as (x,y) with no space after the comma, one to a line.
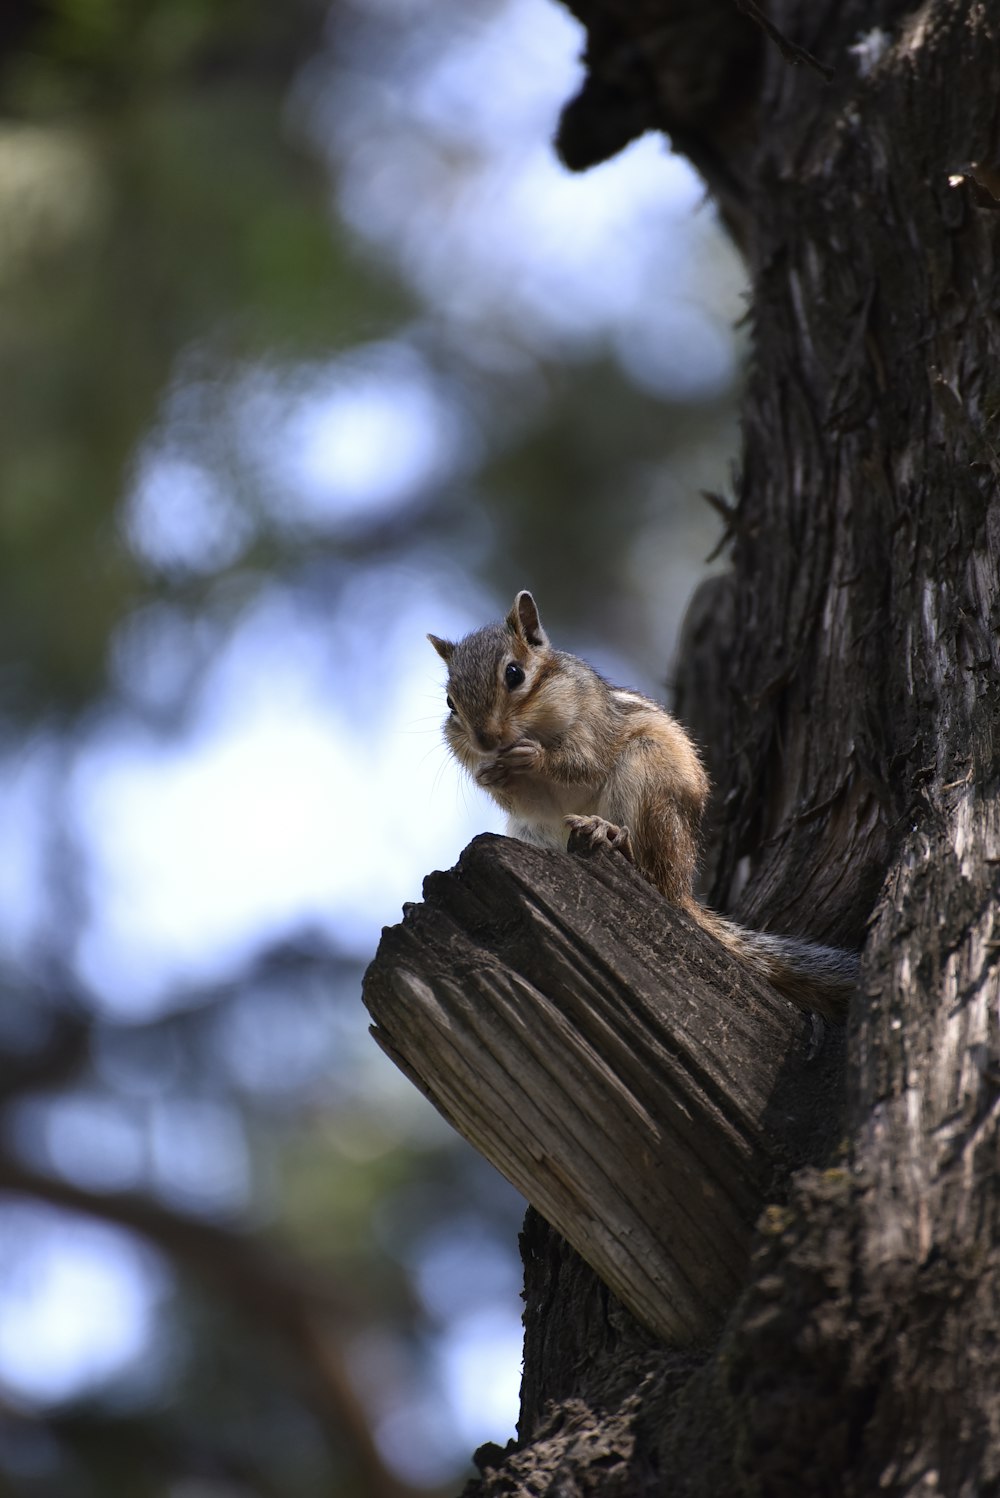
(17,17)
(299,1306)
(54,1064)
(251,1273)
(109,1442)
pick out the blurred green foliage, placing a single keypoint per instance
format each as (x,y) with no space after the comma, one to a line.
(78,53)
(149,199)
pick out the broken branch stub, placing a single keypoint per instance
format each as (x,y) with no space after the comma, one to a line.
(624,1072)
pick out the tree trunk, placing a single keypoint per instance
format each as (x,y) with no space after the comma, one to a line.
(844,679)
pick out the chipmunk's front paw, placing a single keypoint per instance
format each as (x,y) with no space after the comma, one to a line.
(492,772)
(588,833)
(525,755)
(519,759)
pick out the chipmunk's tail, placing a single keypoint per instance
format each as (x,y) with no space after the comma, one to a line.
(814,977)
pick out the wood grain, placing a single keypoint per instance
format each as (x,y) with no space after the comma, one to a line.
(625,1073)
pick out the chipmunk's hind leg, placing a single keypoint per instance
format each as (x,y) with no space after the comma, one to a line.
(589,833)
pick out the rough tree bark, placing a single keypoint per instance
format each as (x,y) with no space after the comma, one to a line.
(845,679)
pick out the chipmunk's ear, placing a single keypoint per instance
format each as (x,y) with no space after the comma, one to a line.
(444,648)
(524,621)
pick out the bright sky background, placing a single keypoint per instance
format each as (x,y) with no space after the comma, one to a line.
(353,797)
(350,806)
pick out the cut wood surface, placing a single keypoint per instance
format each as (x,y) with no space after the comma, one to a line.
(633,1080)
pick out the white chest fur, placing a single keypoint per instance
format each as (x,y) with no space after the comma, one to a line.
(537,816)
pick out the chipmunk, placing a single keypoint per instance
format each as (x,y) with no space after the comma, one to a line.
(561,750)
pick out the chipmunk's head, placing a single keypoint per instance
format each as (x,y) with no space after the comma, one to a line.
(495,677)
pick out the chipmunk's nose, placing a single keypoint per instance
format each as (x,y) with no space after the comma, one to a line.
(487,740)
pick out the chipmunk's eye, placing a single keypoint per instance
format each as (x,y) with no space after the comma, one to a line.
(513,676)
(451,705)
